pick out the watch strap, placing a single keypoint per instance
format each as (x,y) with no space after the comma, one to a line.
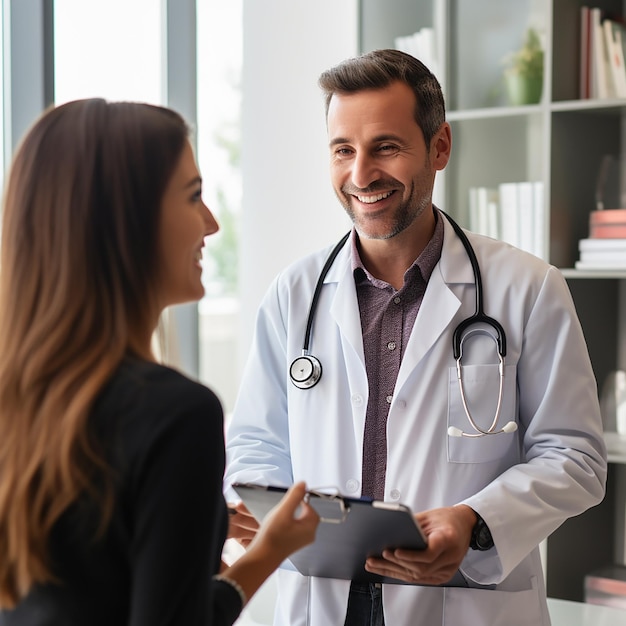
(481,535)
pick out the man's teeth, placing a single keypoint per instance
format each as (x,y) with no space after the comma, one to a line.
(371,199)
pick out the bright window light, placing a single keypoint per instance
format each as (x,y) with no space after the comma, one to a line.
(220,53)
(108,48)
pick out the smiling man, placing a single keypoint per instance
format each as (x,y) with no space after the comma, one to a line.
(486,447)
(383,174)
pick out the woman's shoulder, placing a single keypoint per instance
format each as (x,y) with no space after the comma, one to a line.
(144,398)
(161,380)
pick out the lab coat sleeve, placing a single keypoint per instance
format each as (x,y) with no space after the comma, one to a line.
(563,467)
(257,441)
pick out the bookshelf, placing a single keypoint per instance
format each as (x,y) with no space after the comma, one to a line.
(560,142)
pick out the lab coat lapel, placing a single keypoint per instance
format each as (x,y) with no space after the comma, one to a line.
(344,308)
(440,303)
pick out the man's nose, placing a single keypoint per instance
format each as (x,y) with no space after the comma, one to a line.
(364,171)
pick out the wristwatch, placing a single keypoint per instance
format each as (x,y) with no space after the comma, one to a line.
(481,535)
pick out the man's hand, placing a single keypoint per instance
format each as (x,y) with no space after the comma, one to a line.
(448,531)
(241,524)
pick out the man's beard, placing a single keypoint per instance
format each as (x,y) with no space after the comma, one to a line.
(405,214)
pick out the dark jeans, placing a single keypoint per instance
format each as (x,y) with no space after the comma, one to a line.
(365,605)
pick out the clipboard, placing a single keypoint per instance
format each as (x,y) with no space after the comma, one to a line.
(350,530)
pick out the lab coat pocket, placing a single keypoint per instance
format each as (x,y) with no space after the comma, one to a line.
(482,385)
(497,608)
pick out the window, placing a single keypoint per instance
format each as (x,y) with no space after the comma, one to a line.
(108,48)
(220,32)
(116,49)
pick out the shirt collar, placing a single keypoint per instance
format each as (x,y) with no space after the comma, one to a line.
(425,262)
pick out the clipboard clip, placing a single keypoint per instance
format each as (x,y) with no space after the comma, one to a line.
(331,498)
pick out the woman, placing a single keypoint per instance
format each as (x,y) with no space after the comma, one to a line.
(111,506)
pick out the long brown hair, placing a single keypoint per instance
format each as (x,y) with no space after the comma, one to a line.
(77,291)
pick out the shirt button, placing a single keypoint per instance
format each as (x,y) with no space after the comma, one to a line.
(352,485)
(394,494)
(391,345)
(389,399)
(357,399)
(397,300)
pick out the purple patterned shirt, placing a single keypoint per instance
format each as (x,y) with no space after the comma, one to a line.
(387,318)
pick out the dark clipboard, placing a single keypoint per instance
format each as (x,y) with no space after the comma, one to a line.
(350,530)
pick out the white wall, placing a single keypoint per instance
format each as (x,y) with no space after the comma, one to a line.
(288,206)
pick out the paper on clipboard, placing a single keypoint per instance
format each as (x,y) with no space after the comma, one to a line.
(350,530)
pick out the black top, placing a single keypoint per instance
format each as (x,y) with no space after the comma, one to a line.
(163,437)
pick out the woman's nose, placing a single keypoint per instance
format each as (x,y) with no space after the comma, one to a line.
(210,222)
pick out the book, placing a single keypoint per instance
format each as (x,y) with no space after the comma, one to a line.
(526,216)
(601,84)
(605,254)
(602,245)
(607,224)
(421,45)
(509,227)
(601,265)
(539,220)
(474,215)
(619,35)
(493,228)
(585,53)
(483,211)
(615,57)
(607,231)
(606,259)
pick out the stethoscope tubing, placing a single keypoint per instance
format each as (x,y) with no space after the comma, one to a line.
(306,370)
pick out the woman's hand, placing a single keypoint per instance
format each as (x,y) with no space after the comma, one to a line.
(241,524)
(289,526)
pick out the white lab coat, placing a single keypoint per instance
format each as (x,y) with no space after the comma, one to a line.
(524,484)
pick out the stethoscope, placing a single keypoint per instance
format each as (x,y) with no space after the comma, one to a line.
(306,370)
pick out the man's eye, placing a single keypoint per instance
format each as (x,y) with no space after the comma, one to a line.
(387,148)
(197,196)
(343,152)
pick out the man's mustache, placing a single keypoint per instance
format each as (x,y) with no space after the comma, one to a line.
(377,187)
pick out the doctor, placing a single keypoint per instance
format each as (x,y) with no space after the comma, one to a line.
(494,464)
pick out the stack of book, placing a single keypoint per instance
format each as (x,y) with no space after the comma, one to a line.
(602,52)
(512,212)
(605,248)
(423,46)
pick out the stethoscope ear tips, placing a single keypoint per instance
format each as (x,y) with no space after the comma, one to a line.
(453,431)
(509,427)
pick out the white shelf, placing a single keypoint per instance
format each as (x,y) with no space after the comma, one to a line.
(491,112)
(590,105)
(560,142)
(571,272)
(565,613)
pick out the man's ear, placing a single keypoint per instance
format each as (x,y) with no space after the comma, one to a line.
(441,146)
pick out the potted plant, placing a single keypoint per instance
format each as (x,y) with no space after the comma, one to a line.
(523,72)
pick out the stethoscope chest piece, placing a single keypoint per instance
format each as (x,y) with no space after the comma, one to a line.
(305,371)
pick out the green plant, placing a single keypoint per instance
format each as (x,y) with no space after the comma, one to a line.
(527,62)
